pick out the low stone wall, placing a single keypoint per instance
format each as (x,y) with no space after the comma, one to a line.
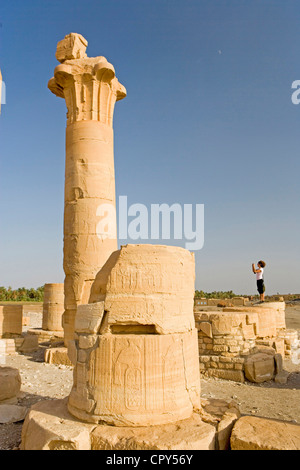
(36,307)
(234,302)
(228,337)
(223,337)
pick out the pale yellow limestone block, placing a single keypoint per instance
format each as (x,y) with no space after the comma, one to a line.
(89,318)
(152,285)
(73,46)
(11,317)
(260,367)
(223,323)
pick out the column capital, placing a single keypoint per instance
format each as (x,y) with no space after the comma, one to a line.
(89,85)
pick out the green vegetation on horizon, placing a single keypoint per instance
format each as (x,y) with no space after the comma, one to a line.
(21,294)
(215,295)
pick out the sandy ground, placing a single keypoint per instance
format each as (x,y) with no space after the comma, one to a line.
(42,381)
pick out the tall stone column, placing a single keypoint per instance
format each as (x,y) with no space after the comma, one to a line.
(90,89)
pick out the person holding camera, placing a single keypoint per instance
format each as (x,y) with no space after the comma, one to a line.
(259,271)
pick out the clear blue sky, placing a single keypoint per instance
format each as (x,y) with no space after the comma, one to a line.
(208,120)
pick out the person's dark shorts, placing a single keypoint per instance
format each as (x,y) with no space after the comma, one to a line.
(260,286)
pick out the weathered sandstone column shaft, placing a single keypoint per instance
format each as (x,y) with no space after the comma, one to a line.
(90,89)
(53,307)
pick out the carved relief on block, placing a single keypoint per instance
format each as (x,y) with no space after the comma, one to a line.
(140,379)
(152,285)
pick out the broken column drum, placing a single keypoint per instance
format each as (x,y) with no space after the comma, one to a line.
(90,89)
(136,351)
(53,307)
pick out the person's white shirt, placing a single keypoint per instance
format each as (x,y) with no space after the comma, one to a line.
(260,275)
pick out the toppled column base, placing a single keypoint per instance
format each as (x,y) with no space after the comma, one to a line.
(45,336)
(49,426)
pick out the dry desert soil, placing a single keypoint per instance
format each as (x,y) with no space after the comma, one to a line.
(41,381)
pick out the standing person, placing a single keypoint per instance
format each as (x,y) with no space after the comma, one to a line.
(259,271)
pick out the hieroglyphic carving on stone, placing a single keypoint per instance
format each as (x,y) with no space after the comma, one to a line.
(144,369)
(128,374)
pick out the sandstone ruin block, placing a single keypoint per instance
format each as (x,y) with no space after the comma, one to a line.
(252,433)
(137,380)
(270,317)
(153,286)
(57,356)
(73,46)
(29,344)
(190,434)
(10,383)
(89,318)
(279,308)
(49,426)
(10,320)
(232,333)
(259,367)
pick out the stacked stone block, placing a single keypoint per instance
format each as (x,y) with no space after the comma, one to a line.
(10,320)
(229,336)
